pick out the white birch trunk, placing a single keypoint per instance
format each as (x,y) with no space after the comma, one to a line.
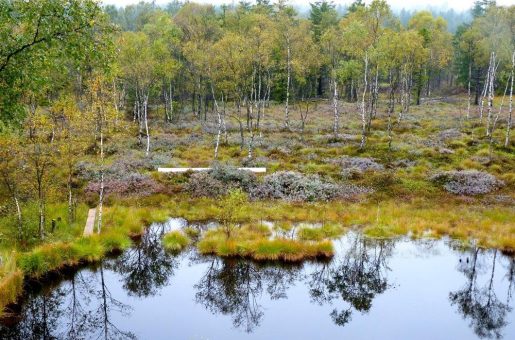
(490,95)
(145,120)
(219,122)
(336,122)
(288,81)
(469,93)
(508,123)
(363,108)
(101,192)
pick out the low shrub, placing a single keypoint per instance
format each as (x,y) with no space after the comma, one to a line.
(467,182)
(233,177)
(202,184)
(219,180)
(356,166)
(296,187)
(133,185)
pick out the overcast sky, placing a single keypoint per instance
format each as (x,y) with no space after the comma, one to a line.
(397,4)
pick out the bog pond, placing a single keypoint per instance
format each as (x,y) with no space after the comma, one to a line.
(371,289)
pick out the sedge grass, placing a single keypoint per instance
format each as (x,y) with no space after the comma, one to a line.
(175,241)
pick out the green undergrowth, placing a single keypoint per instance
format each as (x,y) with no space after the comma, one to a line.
(175,241)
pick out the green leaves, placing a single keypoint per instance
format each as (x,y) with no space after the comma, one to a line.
(39,39)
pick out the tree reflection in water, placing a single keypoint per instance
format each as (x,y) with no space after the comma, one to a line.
(479,304)
(234,287)
(81,309)
(146,267)
(356,277)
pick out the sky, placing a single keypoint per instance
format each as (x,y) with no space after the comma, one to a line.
(458,5)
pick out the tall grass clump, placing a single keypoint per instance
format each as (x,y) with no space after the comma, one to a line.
(251,244)
(55,256)
(11,280)
(175,241)
(327,231)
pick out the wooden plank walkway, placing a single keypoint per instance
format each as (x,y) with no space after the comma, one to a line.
(90,222)
(181,170)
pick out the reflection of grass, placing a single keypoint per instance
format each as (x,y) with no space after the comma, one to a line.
(67,249)
(254,244)
(175,241)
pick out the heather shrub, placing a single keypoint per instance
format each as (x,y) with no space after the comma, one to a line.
(467,182)
(202,184)
(449,134)
(361,164)
(133,184)
(355,166)
(219,180)
(233,177)
(293,186)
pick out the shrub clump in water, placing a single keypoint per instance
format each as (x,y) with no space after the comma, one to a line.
(467,182)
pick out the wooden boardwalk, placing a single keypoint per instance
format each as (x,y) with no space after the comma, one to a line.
(90,222)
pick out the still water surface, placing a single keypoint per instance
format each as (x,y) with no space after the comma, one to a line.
(372,289)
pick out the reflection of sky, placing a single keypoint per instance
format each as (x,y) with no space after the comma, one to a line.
(459,5)
(415,306)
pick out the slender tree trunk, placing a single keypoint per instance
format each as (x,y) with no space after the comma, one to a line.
(490,95)
(485,91)
(18,215)
(70,195)
(288,81)
(41,204)
(336,121)
(494,124)
(508,123)
(391,107)
(363,108)
(242,135)
(11,188)
(145,121)
(469,95)
(219,133)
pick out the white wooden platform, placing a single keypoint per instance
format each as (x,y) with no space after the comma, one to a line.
(181,170)
(90,222)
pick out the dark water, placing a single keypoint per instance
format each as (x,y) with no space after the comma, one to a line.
(388,289)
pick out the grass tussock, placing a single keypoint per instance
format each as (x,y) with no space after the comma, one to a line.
(55,256)
(175,241)
(326,231)
(11,281)
(254,245)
